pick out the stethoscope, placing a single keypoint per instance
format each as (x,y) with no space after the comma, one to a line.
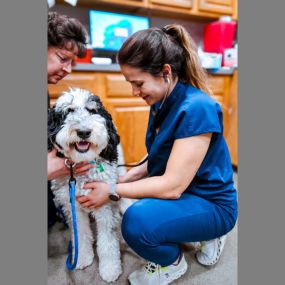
(155,123)
(156,114)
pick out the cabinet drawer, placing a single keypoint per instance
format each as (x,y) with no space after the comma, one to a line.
(174,3)
(117,86)
(217,6)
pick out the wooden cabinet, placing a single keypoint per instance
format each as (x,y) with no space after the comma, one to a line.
(194,9)
(220,85)
(84,80)
(101,3)
(130,115)
(232,136)
(173,3)
(224,7)
(224,89)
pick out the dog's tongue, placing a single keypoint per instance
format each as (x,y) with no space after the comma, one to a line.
(82,145)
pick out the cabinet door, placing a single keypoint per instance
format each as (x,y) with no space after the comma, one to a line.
(220,85)
(233,120)
(130,115)
(224,89)
(174,3)
(217,6)
(131,120)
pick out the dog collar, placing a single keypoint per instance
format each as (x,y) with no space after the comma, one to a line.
(99,165)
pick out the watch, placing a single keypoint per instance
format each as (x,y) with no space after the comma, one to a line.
(113,195)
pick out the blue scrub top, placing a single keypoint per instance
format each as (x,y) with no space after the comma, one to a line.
(188,112)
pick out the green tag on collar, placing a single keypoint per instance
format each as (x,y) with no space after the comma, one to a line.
(100,167)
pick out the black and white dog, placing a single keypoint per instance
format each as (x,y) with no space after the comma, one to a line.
(81,129)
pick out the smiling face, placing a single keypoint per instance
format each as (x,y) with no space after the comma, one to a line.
(59,62)
(83,134)
(150,88)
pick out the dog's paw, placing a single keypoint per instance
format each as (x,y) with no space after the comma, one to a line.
(110,271)
(84,261)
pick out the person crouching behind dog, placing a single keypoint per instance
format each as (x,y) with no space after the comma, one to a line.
(185,189)
(67,40)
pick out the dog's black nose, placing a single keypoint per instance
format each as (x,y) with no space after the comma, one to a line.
(84,134)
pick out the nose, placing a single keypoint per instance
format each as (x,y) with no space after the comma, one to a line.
(68,68)
(136,91)
(83,134)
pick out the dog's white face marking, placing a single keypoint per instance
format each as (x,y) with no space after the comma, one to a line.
(84,134)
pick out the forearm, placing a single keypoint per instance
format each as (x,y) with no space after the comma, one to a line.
(153,187)
(135,174)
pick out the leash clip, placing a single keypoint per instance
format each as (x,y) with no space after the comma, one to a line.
(70,164)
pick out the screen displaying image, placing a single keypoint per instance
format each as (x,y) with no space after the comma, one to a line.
(108,30)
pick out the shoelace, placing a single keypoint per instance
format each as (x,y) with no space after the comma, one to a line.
(152,267)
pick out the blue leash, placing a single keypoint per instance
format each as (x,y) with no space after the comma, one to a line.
(72,189)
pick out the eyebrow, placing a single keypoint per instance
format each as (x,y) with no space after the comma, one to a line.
(67,53)
(135,81)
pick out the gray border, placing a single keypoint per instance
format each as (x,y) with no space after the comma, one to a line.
(261,142)
(23,245)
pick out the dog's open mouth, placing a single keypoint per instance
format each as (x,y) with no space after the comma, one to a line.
(82,146)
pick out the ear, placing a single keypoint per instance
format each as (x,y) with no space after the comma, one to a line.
(110,152)
(55,122)
(166,71)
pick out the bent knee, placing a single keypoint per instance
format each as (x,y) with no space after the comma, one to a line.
(135,223)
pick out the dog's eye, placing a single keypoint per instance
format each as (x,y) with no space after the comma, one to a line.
(69,110)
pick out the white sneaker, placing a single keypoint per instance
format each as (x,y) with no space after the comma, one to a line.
(154,274)
(211,251)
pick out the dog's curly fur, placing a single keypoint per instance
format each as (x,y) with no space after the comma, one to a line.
(81,129)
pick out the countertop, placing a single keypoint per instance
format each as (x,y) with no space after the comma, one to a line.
(116,68)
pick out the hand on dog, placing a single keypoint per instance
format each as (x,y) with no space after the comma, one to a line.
(57,168)
(97,198)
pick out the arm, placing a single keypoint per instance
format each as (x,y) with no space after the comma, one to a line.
(134,174)
(185,159)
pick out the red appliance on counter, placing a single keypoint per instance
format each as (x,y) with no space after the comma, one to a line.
(86,58)
(219,35)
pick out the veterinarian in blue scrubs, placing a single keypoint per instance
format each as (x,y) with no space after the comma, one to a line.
(185,189)
(67,39)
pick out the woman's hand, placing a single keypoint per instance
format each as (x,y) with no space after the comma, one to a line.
(97,198)
(57,169)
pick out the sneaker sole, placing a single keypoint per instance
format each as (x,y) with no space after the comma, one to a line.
(221,246)
(178,275)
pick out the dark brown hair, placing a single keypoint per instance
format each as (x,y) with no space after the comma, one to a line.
(63,30)
(150,49)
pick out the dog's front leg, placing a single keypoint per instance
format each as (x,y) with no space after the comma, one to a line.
(108,247)
(85,239)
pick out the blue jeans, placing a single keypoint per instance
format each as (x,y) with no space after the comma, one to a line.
(154,228)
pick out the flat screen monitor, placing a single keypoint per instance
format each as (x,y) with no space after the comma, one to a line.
(108,30)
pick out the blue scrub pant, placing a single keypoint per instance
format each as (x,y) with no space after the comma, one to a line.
(154,228)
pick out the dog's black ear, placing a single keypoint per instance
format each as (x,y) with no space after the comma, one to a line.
(55,122)
(110,153)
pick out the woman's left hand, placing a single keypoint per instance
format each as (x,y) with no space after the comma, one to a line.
(97,198)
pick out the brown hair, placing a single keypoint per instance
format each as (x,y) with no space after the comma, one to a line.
(150,49)
(63,30)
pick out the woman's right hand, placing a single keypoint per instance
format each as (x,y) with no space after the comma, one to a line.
(57,169)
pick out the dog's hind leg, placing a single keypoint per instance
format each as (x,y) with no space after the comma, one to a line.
(108,247)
